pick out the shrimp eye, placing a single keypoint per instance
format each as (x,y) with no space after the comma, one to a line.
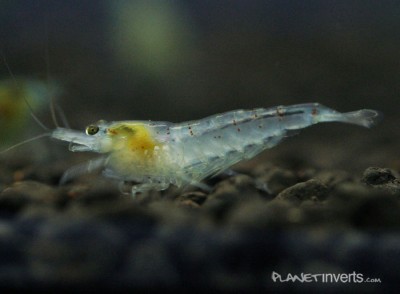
(92,130)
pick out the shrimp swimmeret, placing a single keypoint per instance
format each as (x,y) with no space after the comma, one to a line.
(158,154)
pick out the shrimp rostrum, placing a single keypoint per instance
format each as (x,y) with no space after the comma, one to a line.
(154,155)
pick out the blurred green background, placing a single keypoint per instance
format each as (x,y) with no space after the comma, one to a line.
(183,60)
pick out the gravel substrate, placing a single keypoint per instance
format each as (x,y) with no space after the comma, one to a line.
(262,219)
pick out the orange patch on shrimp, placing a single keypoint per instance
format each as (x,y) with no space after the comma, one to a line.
(136,138)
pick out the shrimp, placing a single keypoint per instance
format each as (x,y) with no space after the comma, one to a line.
(13,112)
(155,155)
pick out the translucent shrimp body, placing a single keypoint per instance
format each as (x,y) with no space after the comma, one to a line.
(157,154)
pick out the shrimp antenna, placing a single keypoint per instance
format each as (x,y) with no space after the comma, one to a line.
(23,97)
(25,141)
(47,62)
(61,114)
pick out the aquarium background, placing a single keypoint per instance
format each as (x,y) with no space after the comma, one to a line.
(179,60)
(183,60)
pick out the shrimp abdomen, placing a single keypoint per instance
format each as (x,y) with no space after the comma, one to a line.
(214,143)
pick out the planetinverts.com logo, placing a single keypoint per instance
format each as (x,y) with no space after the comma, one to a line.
(323,278)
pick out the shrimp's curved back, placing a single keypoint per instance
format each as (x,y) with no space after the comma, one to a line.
(210,145)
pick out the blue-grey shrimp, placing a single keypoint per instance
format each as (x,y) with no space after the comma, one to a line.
(155,155)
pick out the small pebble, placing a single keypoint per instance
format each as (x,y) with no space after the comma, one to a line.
(378,176)
(382,178)
(194,196)
(277,179)
(310,190)
(22,194)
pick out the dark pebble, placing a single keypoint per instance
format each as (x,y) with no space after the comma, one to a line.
(311,190)
(170,214)
(122,210)
(188,204)
(378,176)
(230,192)
(259,214)
(100,193)
(277,179)
(22,194)
(382,178)
(194,196)
(239,186)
